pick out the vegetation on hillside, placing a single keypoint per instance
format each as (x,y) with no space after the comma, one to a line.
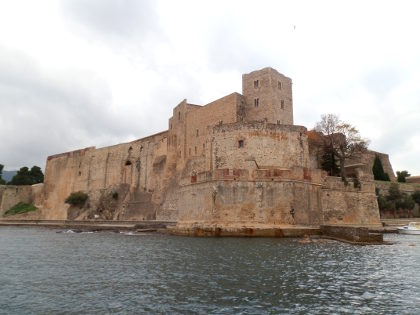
(402,175)
(2,182)
(396,200)
(77,198)
(19,208)
(26,176)
(416,197)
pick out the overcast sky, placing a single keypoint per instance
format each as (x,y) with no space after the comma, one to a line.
(78,73)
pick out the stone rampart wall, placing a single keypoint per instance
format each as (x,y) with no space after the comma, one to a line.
(368,158)
(347,204)
(139,164)
(258,145)
(242,202)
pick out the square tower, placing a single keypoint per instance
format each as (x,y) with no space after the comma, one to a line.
(268,95)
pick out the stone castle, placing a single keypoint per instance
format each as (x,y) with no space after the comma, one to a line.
(238,160)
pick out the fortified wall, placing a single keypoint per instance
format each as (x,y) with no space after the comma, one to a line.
(237,161)
(10,195)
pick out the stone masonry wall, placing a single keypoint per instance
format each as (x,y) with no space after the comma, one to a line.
(135,163)
(368,158)
(248,203)
(11,195)
(258,145)
(343,204)
(223,110)
(273,92)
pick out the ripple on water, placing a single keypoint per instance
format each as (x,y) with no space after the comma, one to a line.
(45,272)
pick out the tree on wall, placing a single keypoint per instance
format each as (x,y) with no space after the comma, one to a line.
(343,139)
(36,175)
(2,182)
(378,170)
(329,161)
(28,177)
(402,175)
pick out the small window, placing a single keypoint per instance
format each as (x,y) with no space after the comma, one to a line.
(282,104)
(203,146)
(171,125)
(256,84)
(256,102)
(80,173)
(127,163)
(279,85)
(240,143)
(196,132)
(179,115)
(195,150)
(278,122)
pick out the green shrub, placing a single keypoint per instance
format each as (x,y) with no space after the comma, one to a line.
(384,204)
(416,197)
(77,198)
(405,202)
(19,208)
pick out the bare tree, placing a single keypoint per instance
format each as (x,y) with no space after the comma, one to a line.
(342,138)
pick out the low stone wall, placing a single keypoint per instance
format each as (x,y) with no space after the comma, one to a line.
(407,188)
(237,231)
(11,195)
(353,234)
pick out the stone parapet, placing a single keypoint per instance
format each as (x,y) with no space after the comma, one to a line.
(353,185)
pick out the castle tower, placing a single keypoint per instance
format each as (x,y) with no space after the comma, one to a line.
(268,95)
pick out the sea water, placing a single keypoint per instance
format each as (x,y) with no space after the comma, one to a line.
(45,272)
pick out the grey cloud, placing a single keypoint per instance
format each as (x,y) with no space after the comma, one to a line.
(46,113)
(121,18)
(382,81)
(397,140)
(227,51)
